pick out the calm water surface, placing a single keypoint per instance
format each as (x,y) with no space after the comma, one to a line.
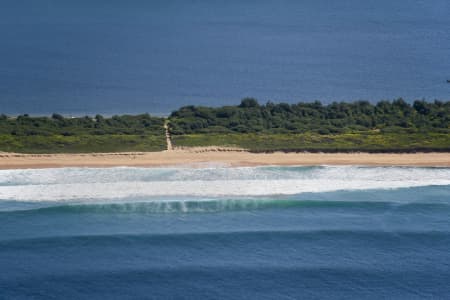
(103,56)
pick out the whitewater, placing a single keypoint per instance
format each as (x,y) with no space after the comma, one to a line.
(161,183)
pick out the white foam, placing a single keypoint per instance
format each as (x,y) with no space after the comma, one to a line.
(121,183)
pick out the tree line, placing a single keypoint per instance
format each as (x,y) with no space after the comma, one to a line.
(25,125)
(249,117)
(315,117)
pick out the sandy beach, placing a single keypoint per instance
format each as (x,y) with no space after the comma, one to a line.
(202,157)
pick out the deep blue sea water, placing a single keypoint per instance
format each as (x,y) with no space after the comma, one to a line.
(225,233)
(117,56)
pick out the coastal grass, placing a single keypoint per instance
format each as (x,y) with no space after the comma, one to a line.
(346,142)
(81,143)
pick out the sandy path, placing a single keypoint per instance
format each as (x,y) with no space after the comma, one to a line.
(168,138)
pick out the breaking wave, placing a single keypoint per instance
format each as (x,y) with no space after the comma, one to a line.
(223,205)
(137,184)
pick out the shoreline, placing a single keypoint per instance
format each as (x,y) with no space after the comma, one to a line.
(210,156)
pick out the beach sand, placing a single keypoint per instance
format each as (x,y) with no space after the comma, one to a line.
(202,157)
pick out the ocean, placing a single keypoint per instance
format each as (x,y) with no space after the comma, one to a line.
(213,231)
(116,56)
(216,232)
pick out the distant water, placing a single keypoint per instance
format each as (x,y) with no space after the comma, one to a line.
(225,233)
(117,56)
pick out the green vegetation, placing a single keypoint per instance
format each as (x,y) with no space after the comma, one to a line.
(336,118)
(26,134)
(387,126)
(360,126)
(25,125)
(81,143)
(313,142)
